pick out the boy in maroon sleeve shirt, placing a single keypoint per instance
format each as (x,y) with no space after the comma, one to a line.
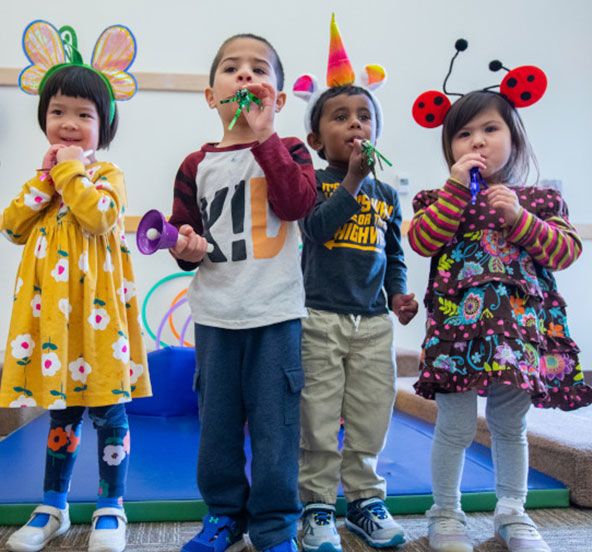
(243,195)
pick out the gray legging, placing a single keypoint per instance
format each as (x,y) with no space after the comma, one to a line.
(455,430)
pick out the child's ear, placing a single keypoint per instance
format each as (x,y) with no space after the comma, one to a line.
(209,94)
(280,101)
(314,141)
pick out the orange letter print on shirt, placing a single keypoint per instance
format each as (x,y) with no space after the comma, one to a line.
(264,247)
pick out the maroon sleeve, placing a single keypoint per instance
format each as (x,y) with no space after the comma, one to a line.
(291,182)
(185,208)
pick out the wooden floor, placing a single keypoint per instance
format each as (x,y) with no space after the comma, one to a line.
(565,530)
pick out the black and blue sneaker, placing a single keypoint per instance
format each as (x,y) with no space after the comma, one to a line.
(319,533)
(369,519)
(218,534)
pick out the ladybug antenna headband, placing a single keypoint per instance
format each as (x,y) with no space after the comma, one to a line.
(522,87)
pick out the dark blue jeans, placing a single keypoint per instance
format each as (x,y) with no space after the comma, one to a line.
(113,448)
(251,376)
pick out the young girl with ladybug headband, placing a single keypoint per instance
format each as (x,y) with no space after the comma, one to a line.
(75,340)
(496,323)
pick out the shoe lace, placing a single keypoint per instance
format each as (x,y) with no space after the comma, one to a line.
(450,526)
(322,517)
(377,509)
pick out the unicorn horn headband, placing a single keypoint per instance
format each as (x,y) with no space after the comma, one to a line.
(50,50)
(339,73)
(522,87)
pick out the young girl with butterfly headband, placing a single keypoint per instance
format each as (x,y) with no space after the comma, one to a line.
(75,340)
(496,323)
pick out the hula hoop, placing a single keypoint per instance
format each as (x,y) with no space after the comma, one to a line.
(164,319)
(184,331)
(182,343)
(147,298)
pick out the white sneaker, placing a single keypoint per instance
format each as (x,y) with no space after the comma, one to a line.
(319,533)
(519,534)
(370,519)
(108,540)
(447,531)
(32,539)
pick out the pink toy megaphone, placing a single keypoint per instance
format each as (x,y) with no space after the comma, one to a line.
(154,232)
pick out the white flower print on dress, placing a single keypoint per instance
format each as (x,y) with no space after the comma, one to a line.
(36,199)
(60,271)
(58,404)
(23,401)
(108,264)
(126,291)
(136,370)
(65,307)
(50,364)
(103,184)
(79,369)
(36,305)
(114,455)
(22,346)
(18,285)
(86,182)
(104,203)
(98,319)
(41,247)
(121,349)
(83,262)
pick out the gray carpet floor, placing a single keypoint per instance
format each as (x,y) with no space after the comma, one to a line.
(565,530)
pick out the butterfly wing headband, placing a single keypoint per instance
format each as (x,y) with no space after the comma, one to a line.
(339,73)
(49,50)
(522,87)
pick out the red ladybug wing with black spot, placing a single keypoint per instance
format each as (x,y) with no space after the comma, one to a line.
(524,85)
(430,108)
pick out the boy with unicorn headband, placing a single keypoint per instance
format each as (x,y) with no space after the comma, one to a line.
(352,237)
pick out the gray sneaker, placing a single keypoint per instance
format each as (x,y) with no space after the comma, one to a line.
(519,534)
(319,533)
(369,519)
(447,531)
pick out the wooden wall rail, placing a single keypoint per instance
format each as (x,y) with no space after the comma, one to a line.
(584,230)
(164,82)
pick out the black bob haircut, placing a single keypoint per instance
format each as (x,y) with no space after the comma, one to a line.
(81,82)
(277,62)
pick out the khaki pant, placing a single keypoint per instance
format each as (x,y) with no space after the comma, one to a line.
(350,370)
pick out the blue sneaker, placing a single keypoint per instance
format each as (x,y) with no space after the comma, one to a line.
(284,546)
(319,533)
(218,534)
(368,518)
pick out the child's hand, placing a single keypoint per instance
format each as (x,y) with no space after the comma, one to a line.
(190,247)
(357,169)
(504,199)
(49,159)
(460,170)
(71,153)
(261,117)
(404,306)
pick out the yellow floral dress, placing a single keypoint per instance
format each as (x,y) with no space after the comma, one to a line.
(75,336)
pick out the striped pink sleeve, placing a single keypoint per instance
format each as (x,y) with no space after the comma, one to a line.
(434,225)
(552,243)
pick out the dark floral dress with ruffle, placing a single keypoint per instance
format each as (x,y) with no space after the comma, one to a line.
(494,315)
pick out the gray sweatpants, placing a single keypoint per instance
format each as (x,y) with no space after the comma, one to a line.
(455,430)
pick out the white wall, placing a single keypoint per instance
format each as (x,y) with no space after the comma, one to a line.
(413,40)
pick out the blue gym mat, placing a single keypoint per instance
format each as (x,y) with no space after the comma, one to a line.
(162,474)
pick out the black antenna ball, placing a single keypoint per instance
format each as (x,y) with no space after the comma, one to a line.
(461,44)
(495,65)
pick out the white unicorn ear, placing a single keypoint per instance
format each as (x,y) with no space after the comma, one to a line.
(373,76)
(305,86)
